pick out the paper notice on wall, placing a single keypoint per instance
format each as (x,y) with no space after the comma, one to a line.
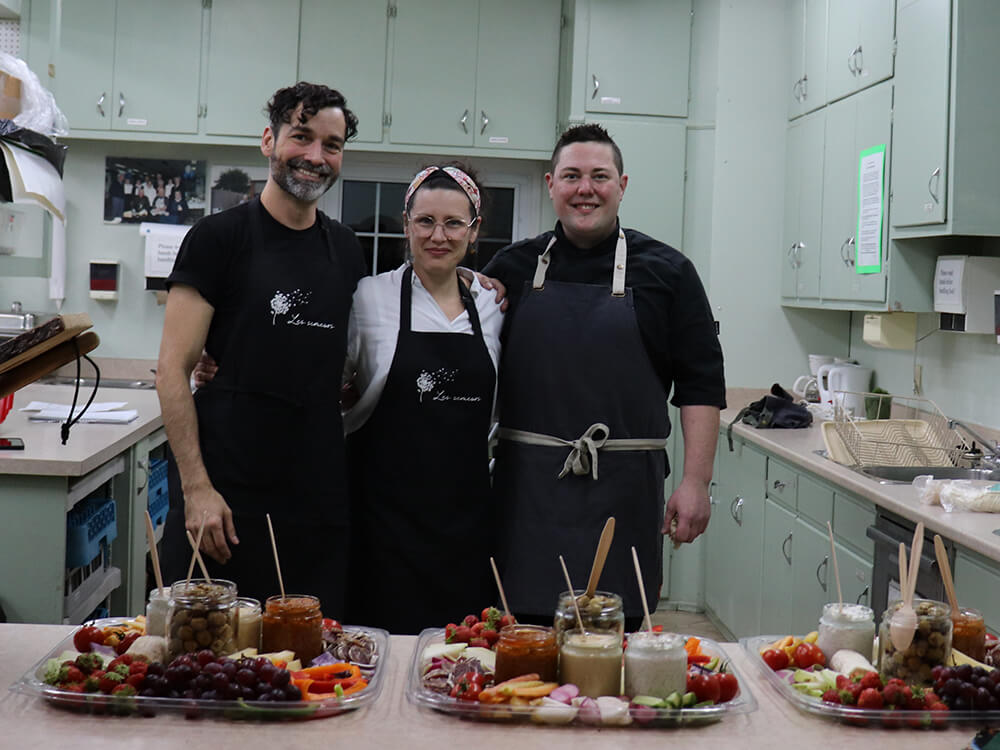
(871,210)
(162,243)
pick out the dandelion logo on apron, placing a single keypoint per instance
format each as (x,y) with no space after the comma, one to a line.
(282,303)
(434,382)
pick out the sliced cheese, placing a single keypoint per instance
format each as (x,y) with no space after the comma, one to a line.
(486,657)
(450,650)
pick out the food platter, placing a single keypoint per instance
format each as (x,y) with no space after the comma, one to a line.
(31,683)
(884,717)
(636,716)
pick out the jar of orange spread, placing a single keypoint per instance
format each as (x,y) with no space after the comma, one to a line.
(293,623)
(523,649)
(969,633)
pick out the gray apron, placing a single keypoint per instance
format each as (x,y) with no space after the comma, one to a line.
(583,431)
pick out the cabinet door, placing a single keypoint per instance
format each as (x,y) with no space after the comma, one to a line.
(876,37)
(157,64)
(800,256)
(434,76)
(920,123)
(353,61)
(977,581)
(242,75)
(638,56)
(814,86)
(796,10)
(813,584)
(777,578)
(516,93)
(841,51)
(855,576)
(84,84)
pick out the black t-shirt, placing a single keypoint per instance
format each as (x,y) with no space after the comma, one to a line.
(672,310)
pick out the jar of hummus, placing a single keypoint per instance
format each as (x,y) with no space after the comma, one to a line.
(592,660)
(931,644)
(969,632)
(850,626)
(156,612)
(602,611)
(524,649)
(201,614)
(293,623)
(655,664)
(248,622)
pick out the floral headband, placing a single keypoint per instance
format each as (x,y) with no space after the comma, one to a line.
(456,174)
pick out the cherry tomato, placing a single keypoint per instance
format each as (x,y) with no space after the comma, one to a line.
(808,654)
(728,686)
(704,686)
(83,637)
(775,658)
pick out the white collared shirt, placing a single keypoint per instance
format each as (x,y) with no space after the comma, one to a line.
(374,327)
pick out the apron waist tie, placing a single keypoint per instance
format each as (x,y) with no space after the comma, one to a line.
(582,459)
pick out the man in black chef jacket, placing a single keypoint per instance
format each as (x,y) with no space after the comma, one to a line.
(603,322)
(265,289)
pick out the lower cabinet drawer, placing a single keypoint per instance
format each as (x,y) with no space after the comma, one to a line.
(851,519)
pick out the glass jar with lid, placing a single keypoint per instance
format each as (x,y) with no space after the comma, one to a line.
(293,623)
(655,664)
(930,647)
(846,626)
(592,660)
(524,649)
(201,614)
(602,611)
(969,632)
(248,619)
(156,611)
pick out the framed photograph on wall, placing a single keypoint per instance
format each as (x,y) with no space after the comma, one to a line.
(165,191)
(233,185)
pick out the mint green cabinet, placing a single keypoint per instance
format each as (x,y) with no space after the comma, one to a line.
(130,66)
(638,57)
(251,54)
(342,44)
(859,45)
(800,250)
(976,585)
(777,603)
(807,74)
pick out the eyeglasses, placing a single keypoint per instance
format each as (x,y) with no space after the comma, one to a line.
(454,229)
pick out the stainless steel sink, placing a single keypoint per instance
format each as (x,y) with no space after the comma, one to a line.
(145,385)
(906,474)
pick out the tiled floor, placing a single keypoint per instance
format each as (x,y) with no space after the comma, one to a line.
(688,623)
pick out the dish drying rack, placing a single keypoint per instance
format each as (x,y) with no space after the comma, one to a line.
(916,434)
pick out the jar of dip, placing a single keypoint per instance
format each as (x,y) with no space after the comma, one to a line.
(293,623)
(602,611)
(931,644)
(850,626)
(201,614)
(248,620)
(969,632)
(156,612)
(655,664)
(524,649)
(592,660)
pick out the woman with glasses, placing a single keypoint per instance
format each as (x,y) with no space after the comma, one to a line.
(423,351)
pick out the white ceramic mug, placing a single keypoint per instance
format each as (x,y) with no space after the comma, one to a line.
(817,360)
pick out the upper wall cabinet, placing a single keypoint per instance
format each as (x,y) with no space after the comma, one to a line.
(859,49)
(638,56)
(491,85)
(945,159)
(250,56)
(800,256)
(807,38)
(355,63)
(131,65)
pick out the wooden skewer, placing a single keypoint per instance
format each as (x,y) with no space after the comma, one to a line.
(836,570)
(197,546)
(915,549)
(503,597)
(642,590)
(572,594)
(902,572)
(197,556)
(153,553)
(277,565)
(945,568)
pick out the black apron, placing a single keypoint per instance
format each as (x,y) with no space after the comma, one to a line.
(576,379)
(270,429)
(423,520)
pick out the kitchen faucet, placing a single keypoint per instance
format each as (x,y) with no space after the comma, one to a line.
(991,455)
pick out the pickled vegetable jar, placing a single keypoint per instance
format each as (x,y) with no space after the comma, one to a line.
(655,664)
(293,623)
(931,643)
(523,649)
(201,614)
(850,626)
(969,633)
(592,660)
(602,611)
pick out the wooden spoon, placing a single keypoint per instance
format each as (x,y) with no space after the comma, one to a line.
(945,568)
(601,555)
(904,620)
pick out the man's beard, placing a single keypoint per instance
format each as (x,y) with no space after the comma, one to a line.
(304,190)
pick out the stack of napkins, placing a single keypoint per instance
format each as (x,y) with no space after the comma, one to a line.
(110,412)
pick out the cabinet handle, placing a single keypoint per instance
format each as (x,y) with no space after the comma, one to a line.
(463,120)
(485,120)
(796,90)
(851,61)
(779,485)
(597,85)
(736,510)
(793,255)
(121,103)
(845,253)
(936,179)
(711,495)
(863,595)
(145,470)
(823,565)
(100,103)
(805,88)
(859,63)
(788,555)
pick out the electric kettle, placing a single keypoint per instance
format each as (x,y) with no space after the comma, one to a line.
(833,380)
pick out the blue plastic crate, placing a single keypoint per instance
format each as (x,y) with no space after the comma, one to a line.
(157,494)
(88,524)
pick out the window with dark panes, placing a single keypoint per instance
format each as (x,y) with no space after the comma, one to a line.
(374,210)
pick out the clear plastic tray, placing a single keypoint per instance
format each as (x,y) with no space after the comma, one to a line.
(853,715)
(98,703)
(742,703)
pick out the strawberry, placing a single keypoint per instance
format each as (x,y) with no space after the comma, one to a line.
(479,641)
(135,680)
(938,714)
(477,629)
(871,680)
(137,667)
(843,682)
(125,690)
(71,673)
(847,698)
(831,696)
(930,697)
(89,662)
(449,632)
(462,634)
(470,620)
(854,690)
(491,636)
(870,698)
(72,687)
(109,681)
(893,693)
(916,700)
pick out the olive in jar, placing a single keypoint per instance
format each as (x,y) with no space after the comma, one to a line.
(930,647)
(201,615)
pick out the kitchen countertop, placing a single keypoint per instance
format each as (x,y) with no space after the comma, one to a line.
(392,721)
(974,531)
(89,445)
